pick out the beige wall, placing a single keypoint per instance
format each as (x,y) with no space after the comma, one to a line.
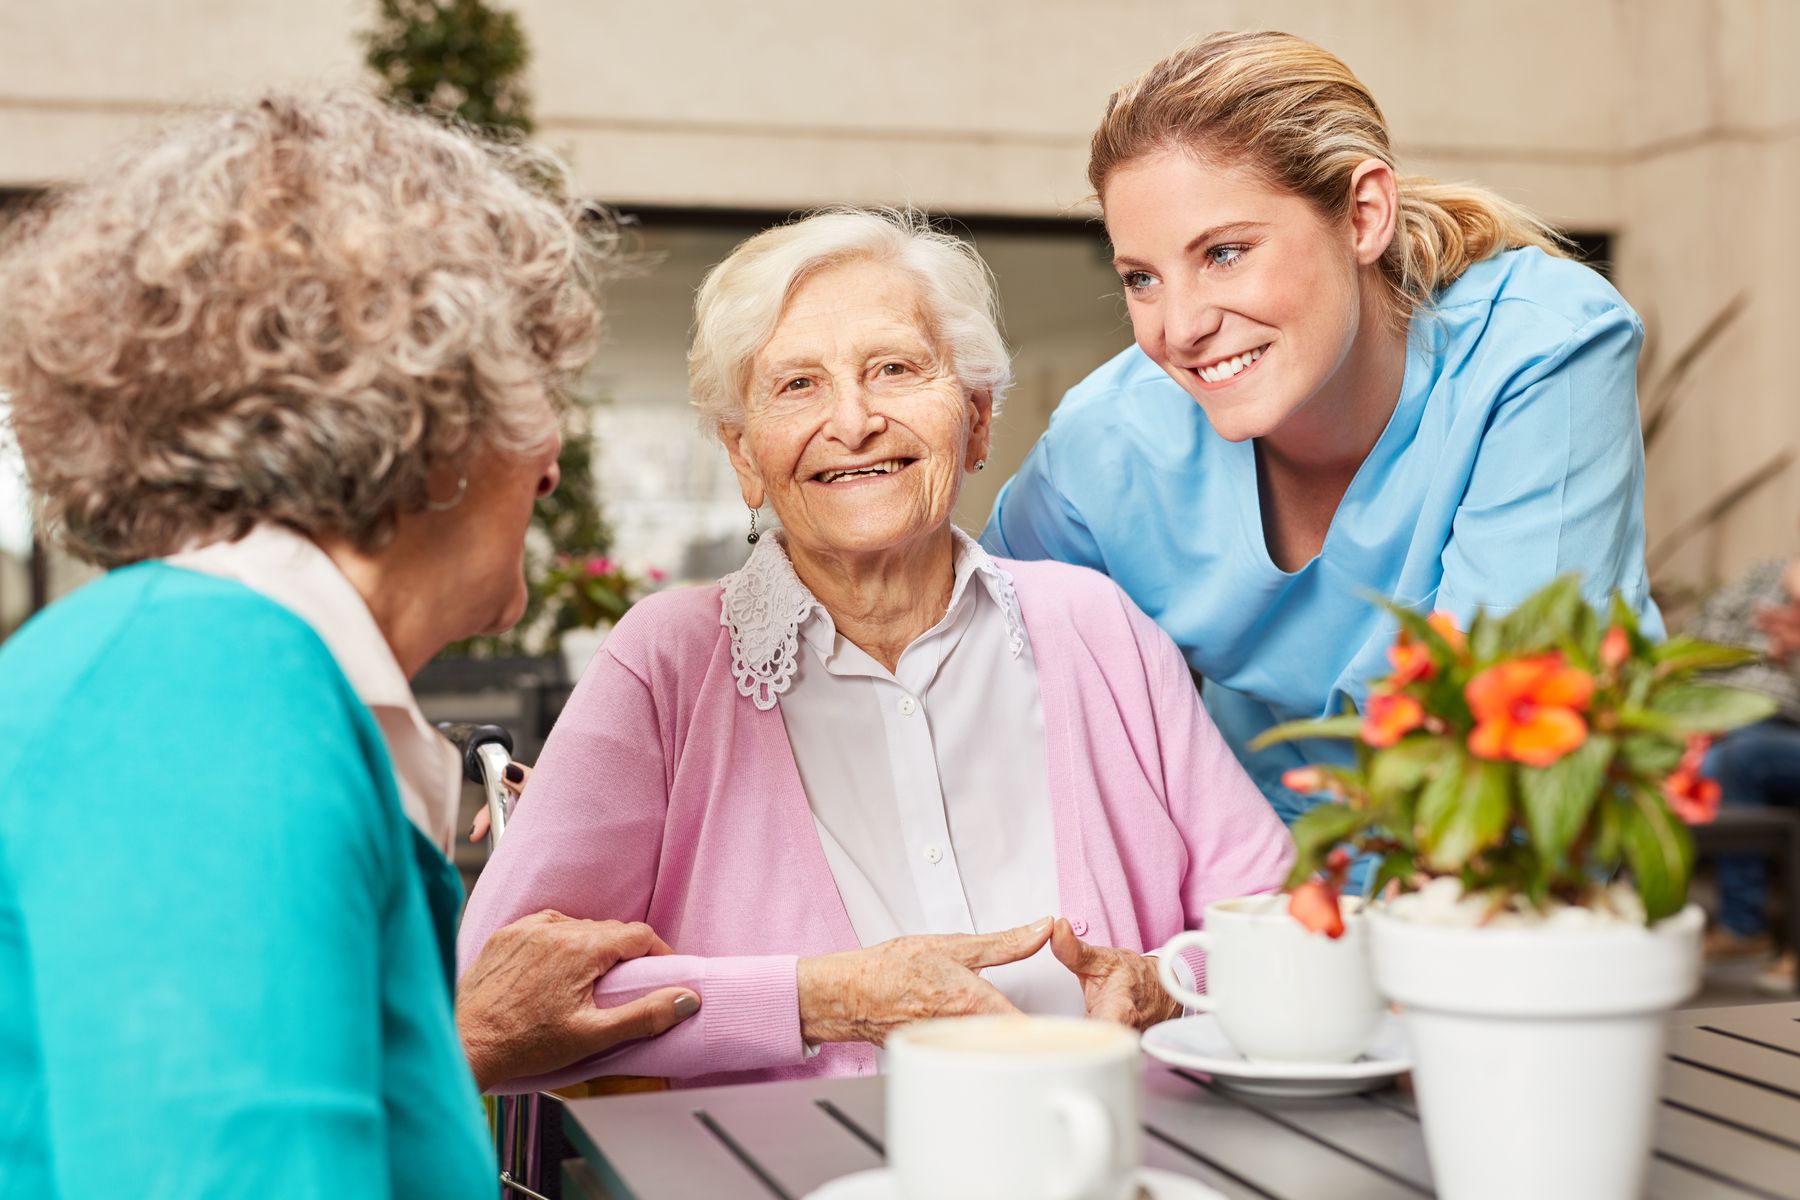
(1674,124)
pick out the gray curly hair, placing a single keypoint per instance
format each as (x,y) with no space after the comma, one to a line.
(291,310)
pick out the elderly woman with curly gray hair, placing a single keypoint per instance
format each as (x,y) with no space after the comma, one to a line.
(290,370)
(875,775)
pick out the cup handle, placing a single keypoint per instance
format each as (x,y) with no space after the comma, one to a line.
(1091,1144)
(1165,969)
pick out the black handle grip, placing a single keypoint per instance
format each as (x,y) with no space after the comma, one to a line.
(469,738)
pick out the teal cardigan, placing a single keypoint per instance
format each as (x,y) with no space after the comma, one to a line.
(224,950)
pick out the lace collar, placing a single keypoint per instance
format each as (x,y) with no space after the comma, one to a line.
(765,604)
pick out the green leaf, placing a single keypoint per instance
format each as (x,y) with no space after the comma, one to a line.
(1474,815)
(1559,798)
(1545,618)
(1703,708)
(1485,634)
(1397,864)
(1609,834)
(1646,755)
(1317,830)
(1659,851)
(1347,726)
(1680,655)
(1403,767)
(1625,617)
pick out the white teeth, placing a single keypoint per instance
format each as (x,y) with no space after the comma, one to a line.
(1221,371)
(880,468)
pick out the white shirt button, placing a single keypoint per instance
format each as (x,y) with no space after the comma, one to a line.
(909,706)
(933,854)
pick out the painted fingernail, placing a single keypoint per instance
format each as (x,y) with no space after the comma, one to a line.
(515,773)
(687,1004)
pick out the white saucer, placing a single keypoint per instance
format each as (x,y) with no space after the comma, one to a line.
(1198,1044)
(880,1184)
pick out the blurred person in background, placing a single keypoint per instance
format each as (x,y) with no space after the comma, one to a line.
(1759,765)
(1346,382)
(289,370)
(850,783)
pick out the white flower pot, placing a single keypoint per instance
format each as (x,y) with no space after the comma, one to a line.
(579,647)
(1537,1052)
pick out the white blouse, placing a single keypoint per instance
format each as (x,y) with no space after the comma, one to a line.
(927,784)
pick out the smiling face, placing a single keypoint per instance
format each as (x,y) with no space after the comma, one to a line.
(855,426)
(1243,293)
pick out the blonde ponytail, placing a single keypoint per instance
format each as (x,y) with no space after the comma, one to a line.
(1296,114)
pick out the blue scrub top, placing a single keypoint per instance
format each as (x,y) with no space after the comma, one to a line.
(1513,456)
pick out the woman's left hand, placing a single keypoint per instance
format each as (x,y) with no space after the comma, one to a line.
(1118,985)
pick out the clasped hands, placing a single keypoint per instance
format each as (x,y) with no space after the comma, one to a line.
(864,995)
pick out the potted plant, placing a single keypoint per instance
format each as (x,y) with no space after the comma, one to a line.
(1524,788)
(587,595)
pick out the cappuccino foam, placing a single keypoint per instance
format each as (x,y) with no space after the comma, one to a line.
(1023,1035)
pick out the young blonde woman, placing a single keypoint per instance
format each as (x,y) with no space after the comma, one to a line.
(1347,382)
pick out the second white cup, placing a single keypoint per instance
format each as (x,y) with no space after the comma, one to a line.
(1014,1108)
(1281,993)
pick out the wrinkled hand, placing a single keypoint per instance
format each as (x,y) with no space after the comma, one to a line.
(515,787)
(1782,626)
(526,1004)
(864,995)
(1118,985)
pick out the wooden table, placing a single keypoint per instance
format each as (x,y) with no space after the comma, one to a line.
(1729,1127)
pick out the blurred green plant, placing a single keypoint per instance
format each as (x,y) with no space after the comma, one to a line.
(458,57)
(1534,755)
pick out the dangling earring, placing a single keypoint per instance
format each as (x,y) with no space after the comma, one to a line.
(753,534)
(981,464)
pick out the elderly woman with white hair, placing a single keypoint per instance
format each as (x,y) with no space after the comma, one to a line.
(874,775)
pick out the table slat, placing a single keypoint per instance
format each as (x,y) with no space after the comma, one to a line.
(1736,1156)
(1734,1056)
(1773,1114)
(657,1149)
(1772,1025)
(1282,1162)
(1354,1126)
(792,1138)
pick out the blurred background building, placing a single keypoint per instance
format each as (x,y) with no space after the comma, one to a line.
(1666,133)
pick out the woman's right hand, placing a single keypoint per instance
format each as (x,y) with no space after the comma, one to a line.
(864,995)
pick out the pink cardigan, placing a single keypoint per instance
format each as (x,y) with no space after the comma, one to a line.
(663,795)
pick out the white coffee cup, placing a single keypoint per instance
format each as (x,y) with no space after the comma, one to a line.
(1014,1108)
(1280,992)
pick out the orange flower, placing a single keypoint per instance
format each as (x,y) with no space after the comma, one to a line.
(1615,648)
(1315,906)
(1303,779)
(1411,660)
(1529,710)
(1694,798)
(1445,624)
(1390,717)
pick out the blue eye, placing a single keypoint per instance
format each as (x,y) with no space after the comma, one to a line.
(1225,256)
(1137,281)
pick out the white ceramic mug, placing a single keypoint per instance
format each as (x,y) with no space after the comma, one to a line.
(1014,1108)
(1280,992)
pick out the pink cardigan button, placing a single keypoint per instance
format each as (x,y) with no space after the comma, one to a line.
(1079,926)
